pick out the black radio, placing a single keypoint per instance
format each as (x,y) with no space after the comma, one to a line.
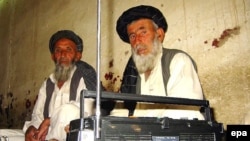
(146,128)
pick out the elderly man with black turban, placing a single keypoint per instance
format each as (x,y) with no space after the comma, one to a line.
(59,96)
(153,69)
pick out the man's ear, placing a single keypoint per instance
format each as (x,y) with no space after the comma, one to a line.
(52,57)
(161,34)
(78,56)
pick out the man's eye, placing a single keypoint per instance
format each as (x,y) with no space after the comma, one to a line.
(57,50)
(143,32)
(132,37)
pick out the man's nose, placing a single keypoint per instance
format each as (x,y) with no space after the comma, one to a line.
(63,53)
(137,40)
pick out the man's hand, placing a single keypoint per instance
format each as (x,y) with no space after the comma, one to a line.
(66,129)
(30,134)
(43,129)
(34,134)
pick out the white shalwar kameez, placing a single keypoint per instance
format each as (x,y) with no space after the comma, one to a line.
(61,110)
(183,83)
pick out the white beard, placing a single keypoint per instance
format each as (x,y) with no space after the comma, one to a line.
(147,62)
(62,73)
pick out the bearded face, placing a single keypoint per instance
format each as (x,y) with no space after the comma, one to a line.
(62,72)
(65,55)
(147,62)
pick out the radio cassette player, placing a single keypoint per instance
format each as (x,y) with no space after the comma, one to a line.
(114,128)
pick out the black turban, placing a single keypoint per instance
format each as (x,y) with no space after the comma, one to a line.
(136,13)
(68,34)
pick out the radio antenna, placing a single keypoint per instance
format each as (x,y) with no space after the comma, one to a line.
(98,90)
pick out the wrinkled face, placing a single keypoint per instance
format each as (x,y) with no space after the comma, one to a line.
(143,32)
(65,52)
(146,43)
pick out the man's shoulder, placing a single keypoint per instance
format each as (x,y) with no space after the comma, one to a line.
(172,51)
(85,70)
(50,79)
(88,73)
(176,54)
(84,65)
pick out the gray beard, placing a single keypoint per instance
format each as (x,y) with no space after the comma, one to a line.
(62,73)
(144,63)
